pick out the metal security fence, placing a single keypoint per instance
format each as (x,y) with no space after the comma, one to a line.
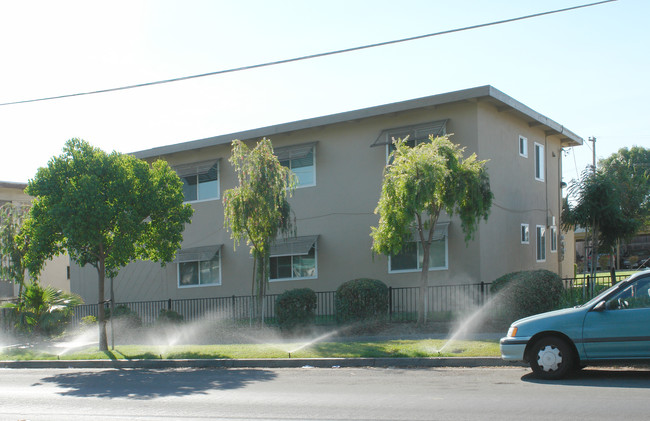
(402,305)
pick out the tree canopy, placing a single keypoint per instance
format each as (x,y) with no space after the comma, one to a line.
(418,185)
(258,210)
(103,209)
(629,169)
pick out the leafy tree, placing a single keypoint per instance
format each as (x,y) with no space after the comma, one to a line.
(11,255)
(258,209)
(105,210)
(596,204)
(420,183)
(43,310)
(629,169)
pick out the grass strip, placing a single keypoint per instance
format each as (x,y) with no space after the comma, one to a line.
(381,349)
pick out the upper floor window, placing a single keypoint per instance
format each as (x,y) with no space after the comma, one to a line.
(411,258)
(417,133)
(294,258)
(539,162)
(300,160)
(200,180)
(523,146)
(199,266)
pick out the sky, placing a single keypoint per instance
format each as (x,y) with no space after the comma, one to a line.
(587,69)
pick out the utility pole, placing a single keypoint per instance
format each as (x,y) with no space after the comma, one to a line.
(594,229)
(593,150)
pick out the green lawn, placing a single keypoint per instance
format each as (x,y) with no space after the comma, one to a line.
(391,349)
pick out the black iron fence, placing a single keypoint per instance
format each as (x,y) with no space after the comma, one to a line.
(445,299)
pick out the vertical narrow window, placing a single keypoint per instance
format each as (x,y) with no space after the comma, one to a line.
(553,239)
(539,162)
(541,243)
(523,146)
(525,234)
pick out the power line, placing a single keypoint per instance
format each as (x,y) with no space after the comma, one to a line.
(308,57)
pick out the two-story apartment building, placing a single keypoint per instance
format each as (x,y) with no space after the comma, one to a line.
(339,160)
(56,271)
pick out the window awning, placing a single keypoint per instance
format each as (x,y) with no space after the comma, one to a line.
(197,254)
(414,132)
(441,231)
(194,168)
(294,152)
(295,246)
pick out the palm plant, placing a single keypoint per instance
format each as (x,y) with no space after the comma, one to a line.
(43,310)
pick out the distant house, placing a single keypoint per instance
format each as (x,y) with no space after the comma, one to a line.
(339,160)
(56,271)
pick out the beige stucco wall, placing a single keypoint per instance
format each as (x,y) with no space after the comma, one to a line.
(339,208)
(55,271)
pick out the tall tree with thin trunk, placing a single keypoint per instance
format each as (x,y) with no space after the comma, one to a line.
(258,210)
(11,256)
(595,202)
(418,185)
(105,210)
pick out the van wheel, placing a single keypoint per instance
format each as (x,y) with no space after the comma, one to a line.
(551,358)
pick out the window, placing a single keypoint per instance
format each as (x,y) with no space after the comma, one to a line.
(294,258)
(416,134)
(541,243)
(539,162)
(300,160)
(523,146)
(553,239)
(525,234)
(199,267)
(411,258)
(200,180)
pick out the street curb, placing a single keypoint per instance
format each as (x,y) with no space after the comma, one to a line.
(468,362)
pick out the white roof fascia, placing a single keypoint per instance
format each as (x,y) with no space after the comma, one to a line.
(487,91)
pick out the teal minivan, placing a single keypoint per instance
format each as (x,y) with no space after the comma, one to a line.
(612,327)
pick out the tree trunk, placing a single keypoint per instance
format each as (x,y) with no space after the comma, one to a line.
(101,314)
(423,298)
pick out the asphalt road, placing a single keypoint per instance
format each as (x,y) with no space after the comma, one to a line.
(506,393)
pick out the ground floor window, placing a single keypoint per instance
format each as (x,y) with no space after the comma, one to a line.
(553,239)
(199,267)
(525,236)
(294,258)
(411,257)
(541,243)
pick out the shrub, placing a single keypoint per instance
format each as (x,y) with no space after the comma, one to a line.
(169,317)
(361,300)
(125,315)
(88,321)
(522,294)
(295,308)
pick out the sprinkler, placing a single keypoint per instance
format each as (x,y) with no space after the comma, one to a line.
(289,354)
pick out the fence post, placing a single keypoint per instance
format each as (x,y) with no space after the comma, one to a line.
(390,304)
(482,293)
(234,311)
(169,304)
